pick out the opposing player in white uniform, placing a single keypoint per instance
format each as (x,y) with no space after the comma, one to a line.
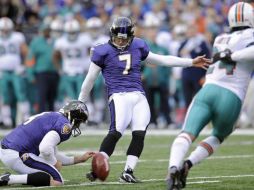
(94,27)
(13,49)
(221,97)
(73,49)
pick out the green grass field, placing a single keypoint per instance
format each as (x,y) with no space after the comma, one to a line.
(231,168)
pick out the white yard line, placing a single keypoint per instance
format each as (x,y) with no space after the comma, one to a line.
(150,132)
(219,177)
(108,183)
(166,160)
(204,181)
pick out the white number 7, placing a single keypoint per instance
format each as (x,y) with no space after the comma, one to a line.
(127,58)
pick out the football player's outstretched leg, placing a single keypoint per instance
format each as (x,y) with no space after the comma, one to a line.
(220,99)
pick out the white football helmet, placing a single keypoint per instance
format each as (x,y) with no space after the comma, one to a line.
(151,21)
(94,22)
(94,26)
(240,15)
(56,28)
(72,29)
(6,27)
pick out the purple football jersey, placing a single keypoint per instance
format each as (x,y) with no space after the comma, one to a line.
(121,69)
(27,137)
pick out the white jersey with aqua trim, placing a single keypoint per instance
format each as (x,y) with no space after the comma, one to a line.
(10,57)
(234,76)
(75,54)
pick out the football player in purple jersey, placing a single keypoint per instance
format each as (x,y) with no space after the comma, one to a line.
(119,60)
(30,149)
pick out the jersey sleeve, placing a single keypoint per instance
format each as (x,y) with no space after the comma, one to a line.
(96,56)
(144,50)
(249,39)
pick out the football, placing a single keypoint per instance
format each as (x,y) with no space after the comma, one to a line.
(100,166)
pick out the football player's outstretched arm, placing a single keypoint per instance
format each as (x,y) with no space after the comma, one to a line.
(88,83)
(70,160)
(171,61)
(245,54)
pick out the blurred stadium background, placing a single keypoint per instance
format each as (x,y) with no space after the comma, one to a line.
(183,28)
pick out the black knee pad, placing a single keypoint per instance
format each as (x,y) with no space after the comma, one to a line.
(137,143)
(38,179)
(109,142)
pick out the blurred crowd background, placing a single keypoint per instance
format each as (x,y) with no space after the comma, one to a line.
(42,81)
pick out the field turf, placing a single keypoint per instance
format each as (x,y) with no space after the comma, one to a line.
(230,168)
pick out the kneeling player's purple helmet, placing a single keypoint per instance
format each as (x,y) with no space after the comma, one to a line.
(77,113)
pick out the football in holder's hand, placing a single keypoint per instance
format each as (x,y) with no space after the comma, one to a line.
(100,166)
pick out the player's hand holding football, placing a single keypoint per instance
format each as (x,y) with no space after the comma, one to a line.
(201,62)
(84,157)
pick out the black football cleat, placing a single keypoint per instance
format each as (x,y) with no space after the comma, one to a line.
(172,180)
(184,173)
(128,177)
(4,178)
(91,176)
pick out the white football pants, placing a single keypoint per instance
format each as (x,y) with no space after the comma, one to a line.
(31,163)
(129,108)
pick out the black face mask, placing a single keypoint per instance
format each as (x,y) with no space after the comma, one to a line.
(75,128)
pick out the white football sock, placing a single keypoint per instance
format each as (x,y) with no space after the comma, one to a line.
(179,149)
(206,148)
(18,179)
(131,162)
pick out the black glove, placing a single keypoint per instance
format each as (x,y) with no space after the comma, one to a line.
(91,176)
(224,55)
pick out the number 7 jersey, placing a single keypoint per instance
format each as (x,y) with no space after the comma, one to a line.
(232,76)
(121,69)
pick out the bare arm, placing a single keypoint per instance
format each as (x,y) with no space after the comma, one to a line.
(88,83)
(56,59)
(24,50)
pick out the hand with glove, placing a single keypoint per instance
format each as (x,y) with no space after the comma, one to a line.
(224,55)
